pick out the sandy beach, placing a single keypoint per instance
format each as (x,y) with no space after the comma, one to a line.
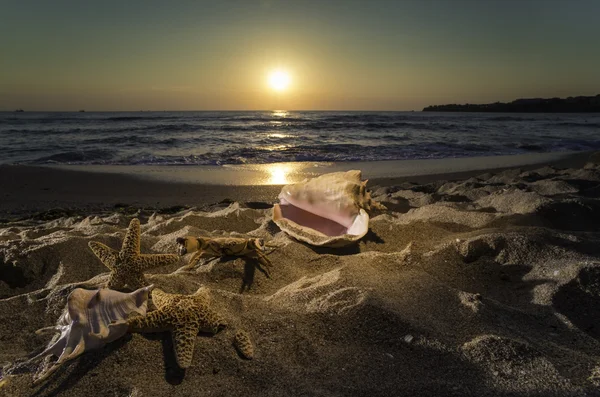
(473,282)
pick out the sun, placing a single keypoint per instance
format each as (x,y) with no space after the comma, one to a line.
(279,80)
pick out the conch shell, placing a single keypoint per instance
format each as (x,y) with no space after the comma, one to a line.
(329,210)
(92,318)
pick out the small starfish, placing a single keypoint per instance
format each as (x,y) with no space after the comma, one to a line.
(127,266)
(184,316)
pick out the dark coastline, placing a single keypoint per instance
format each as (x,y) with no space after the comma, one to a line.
(580,104)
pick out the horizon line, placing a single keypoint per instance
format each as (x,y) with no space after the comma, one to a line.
(206,110)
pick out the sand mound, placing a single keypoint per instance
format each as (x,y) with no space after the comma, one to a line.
(552,188)
(448,215)
(320,294)
(513,362)
(579,300)
(513,201)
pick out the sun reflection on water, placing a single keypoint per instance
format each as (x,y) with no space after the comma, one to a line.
(280,113)
(277,135)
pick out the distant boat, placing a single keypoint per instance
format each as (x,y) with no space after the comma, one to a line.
(19,110)
(81,111)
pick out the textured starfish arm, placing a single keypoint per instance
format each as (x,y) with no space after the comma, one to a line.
(131,242)
(211,321)
(116,281)
(134,281)
(156,321)
(161,299)
(184,339)
(201,297)
(243,344)
(107,255)
(149,261)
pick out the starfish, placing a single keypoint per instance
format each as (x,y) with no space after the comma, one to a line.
(243,344)
(127,266)
(184,316)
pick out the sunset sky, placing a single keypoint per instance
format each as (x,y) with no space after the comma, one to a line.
(354,55)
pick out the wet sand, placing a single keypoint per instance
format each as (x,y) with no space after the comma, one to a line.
(27,190)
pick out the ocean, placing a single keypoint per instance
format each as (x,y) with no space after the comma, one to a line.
(219,138)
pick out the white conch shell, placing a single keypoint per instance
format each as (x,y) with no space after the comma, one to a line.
(92,318)
(330,210)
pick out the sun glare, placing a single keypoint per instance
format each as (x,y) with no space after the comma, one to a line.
(279,80)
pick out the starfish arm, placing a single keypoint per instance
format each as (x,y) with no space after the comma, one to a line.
(134,280)
(201,296)
(210,320)
(161,299)
(184,339)
(156,321)
(131,242)
(150,261)
(107,255)
(115,281)
(243,344)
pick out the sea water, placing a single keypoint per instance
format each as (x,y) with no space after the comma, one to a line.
(260,137)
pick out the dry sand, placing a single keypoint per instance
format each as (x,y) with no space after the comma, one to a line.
(486,286)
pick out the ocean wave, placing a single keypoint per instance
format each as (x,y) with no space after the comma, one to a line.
(158,128)
(50,131)
(305,126)
(263,119)
(509,118)
(295,154)
(390,137)
(531,147)
(595,126)
(93,156)
(138,118)
(364,117)
(325,153)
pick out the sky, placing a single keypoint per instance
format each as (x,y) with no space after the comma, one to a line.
(340,55)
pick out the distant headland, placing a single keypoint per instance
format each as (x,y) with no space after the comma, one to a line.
(578,104)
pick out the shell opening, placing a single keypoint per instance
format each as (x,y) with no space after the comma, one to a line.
(320,224)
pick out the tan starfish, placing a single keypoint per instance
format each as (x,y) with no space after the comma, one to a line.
(184,316)
(127,266)
(243,344)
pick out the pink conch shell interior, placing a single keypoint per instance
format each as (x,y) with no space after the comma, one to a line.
(308,219)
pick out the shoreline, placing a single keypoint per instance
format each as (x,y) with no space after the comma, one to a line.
(293,172)
(29,190)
